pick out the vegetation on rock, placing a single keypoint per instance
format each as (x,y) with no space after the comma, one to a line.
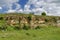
(28,21)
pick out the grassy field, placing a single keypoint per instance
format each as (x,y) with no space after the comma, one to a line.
(48,33)
(51,33)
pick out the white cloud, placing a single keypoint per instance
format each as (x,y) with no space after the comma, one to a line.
(9,3)
(11,11)
(17,6)
(27,8)
(51,7)
(0,7)
(20,11)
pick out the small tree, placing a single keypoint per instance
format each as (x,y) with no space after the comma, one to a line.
(43,14)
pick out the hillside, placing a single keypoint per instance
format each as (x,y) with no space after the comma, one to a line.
(15,26)
(28,20)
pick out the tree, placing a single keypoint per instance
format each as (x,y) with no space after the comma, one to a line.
(43,14)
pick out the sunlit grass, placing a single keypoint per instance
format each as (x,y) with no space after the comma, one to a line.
(51,33)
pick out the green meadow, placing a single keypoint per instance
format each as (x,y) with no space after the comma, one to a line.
(51,33)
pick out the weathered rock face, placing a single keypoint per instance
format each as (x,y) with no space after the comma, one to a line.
(35,22)
(30,21)
(58,23)
(21,20)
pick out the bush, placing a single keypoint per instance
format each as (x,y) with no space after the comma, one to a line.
(10,28)
(29,18)
(55,20)
(26,27)
(46,20)
(17,28)
(38,27)
(1,18)
(43,14)
(3,27)
(27,34)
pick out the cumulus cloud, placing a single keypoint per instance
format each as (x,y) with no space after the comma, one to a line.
(0,7)
(9,3)
(51,7)
(11,11)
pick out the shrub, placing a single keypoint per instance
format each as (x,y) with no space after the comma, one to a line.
(26,27)
(1,18)
(55,20)
(46,20)
(17,27)
(38,27)
(10,28)
(27,34)
(3,27)
(29,18)
(43,14)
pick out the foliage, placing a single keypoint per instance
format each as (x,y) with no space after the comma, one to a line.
(10,28)
(1,18)
(26,27)
(42,33)
(46,20)
(54,19)
(3,27)
(38,27)
(29,18)
(43,14)
(17,27)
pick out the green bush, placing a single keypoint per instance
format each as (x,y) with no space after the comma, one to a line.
(10,28)
(26,27)
(54,19)
(29,18)
(43,14)
(38,27)
(3,27)
(46,20)
(1,18)
(17,27)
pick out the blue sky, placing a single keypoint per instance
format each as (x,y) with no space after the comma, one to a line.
(22,2)
(51,7)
